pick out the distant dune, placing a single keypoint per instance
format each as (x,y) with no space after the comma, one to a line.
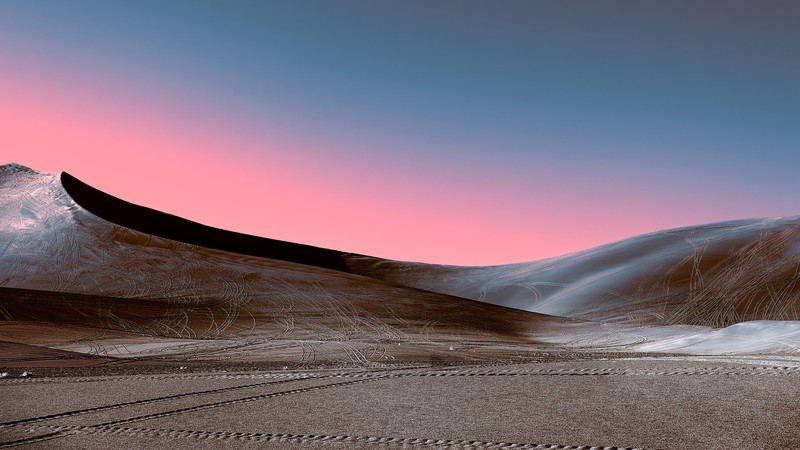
(711,275)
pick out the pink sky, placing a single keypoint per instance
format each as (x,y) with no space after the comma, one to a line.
(151,148)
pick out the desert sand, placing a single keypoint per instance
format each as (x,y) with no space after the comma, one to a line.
(124,326)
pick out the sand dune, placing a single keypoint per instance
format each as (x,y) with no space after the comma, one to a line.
(730,287)
(712,275)
(63,265)
(143,273)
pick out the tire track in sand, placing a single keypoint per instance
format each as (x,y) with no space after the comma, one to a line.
(83,411)
(296,438)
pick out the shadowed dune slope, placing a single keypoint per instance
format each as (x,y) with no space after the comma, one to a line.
(164,225)
(712,275)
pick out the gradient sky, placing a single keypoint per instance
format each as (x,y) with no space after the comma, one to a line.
(447,131)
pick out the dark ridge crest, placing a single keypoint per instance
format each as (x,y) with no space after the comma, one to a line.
(157,223)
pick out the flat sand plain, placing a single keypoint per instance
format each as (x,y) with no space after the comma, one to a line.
(562,401)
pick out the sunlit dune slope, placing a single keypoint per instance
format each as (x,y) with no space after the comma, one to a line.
(61,264)
(713,275)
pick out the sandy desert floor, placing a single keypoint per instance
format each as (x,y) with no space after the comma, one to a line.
(554,400)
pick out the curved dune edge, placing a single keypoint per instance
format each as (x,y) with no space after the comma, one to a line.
(157,223)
